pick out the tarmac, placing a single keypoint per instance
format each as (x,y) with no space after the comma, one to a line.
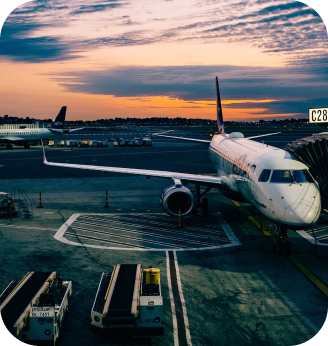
(231,287)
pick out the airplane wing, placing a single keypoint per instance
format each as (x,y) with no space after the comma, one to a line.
(267,134)
(55,130)
(185,139)
(204,180)
(77,129)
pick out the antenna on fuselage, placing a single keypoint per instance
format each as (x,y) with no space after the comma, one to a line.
(219,108)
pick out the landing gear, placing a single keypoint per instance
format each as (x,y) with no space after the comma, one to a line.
(204,203)
(26,146)
(9,146)
(283,246)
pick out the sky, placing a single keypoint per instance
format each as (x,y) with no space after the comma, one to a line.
(121,58)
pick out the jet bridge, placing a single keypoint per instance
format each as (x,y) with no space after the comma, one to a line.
(313,151)
(33,309)
(128,301)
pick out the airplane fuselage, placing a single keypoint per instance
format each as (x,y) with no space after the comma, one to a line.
(20,136)
(294,203)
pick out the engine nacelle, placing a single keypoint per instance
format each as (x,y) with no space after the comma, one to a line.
(176,196)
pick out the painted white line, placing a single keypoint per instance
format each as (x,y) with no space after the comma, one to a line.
(174,316)
(309,238)
(227,229)
(60,233)
(183,303)
(34,228)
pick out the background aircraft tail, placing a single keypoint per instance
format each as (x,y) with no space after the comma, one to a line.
(219,108)
(60,119)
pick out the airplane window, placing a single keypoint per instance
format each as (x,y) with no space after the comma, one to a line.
(264,177)
(303,176)
(280,176)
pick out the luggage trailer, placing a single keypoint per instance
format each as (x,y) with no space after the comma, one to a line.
(129,301)
(33,309)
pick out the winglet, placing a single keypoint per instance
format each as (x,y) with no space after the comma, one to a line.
(44,154)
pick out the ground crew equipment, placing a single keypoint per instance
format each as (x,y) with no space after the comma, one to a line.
(33,309)
(128,301)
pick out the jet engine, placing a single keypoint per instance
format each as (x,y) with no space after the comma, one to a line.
(177,196)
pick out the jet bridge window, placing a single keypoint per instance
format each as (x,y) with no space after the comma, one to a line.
(303,176)
(265,175)
(280,176)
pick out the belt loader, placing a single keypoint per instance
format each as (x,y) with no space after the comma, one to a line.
(33,309)
(128,301)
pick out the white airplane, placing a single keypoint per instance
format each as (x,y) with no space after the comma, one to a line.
(271,179)
(25,136)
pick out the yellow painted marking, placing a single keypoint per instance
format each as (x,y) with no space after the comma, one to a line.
(321,286)
(312,277)
(236,203)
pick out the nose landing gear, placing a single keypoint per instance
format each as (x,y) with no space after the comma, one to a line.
(281,242)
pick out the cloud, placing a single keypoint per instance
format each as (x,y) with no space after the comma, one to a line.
(272,26)
(294,90)
(96,8)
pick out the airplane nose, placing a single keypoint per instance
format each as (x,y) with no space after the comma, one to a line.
(303,214)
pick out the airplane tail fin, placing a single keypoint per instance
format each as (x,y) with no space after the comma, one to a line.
(60,119)
(219,108)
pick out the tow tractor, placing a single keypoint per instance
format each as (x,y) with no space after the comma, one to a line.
(129,301)
(33,309)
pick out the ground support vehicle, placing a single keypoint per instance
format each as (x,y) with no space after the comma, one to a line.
(34,308)
(130,143)
(71,143)
(7,206)
(117,141)
(92,144)
(83,144)
(128,302)
(138,142)
(102,144)
(53,143)
(147,142)
(122,143)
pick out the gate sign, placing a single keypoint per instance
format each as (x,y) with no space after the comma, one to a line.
(318,115)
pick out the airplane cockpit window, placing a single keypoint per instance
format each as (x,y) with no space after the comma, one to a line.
(303,176)
(264,177)
(280,176)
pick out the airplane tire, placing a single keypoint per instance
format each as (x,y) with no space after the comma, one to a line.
(26,146)
(205,206)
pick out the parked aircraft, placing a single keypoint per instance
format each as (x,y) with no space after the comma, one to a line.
(271,179)
(26,136)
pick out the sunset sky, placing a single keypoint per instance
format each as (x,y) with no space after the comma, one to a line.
(121,58)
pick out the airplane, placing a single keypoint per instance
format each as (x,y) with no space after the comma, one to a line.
(25,136)
(273,180)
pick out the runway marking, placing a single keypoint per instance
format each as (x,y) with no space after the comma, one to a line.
(174,316)
(146,234)
(308,235)
(33,228)
(124,217)
(317,282)
(159,229)
(181,332)
(225,239)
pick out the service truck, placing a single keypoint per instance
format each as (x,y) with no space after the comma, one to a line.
(33,309)
(128,302)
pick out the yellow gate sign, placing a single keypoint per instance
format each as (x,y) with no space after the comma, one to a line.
(318,115)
